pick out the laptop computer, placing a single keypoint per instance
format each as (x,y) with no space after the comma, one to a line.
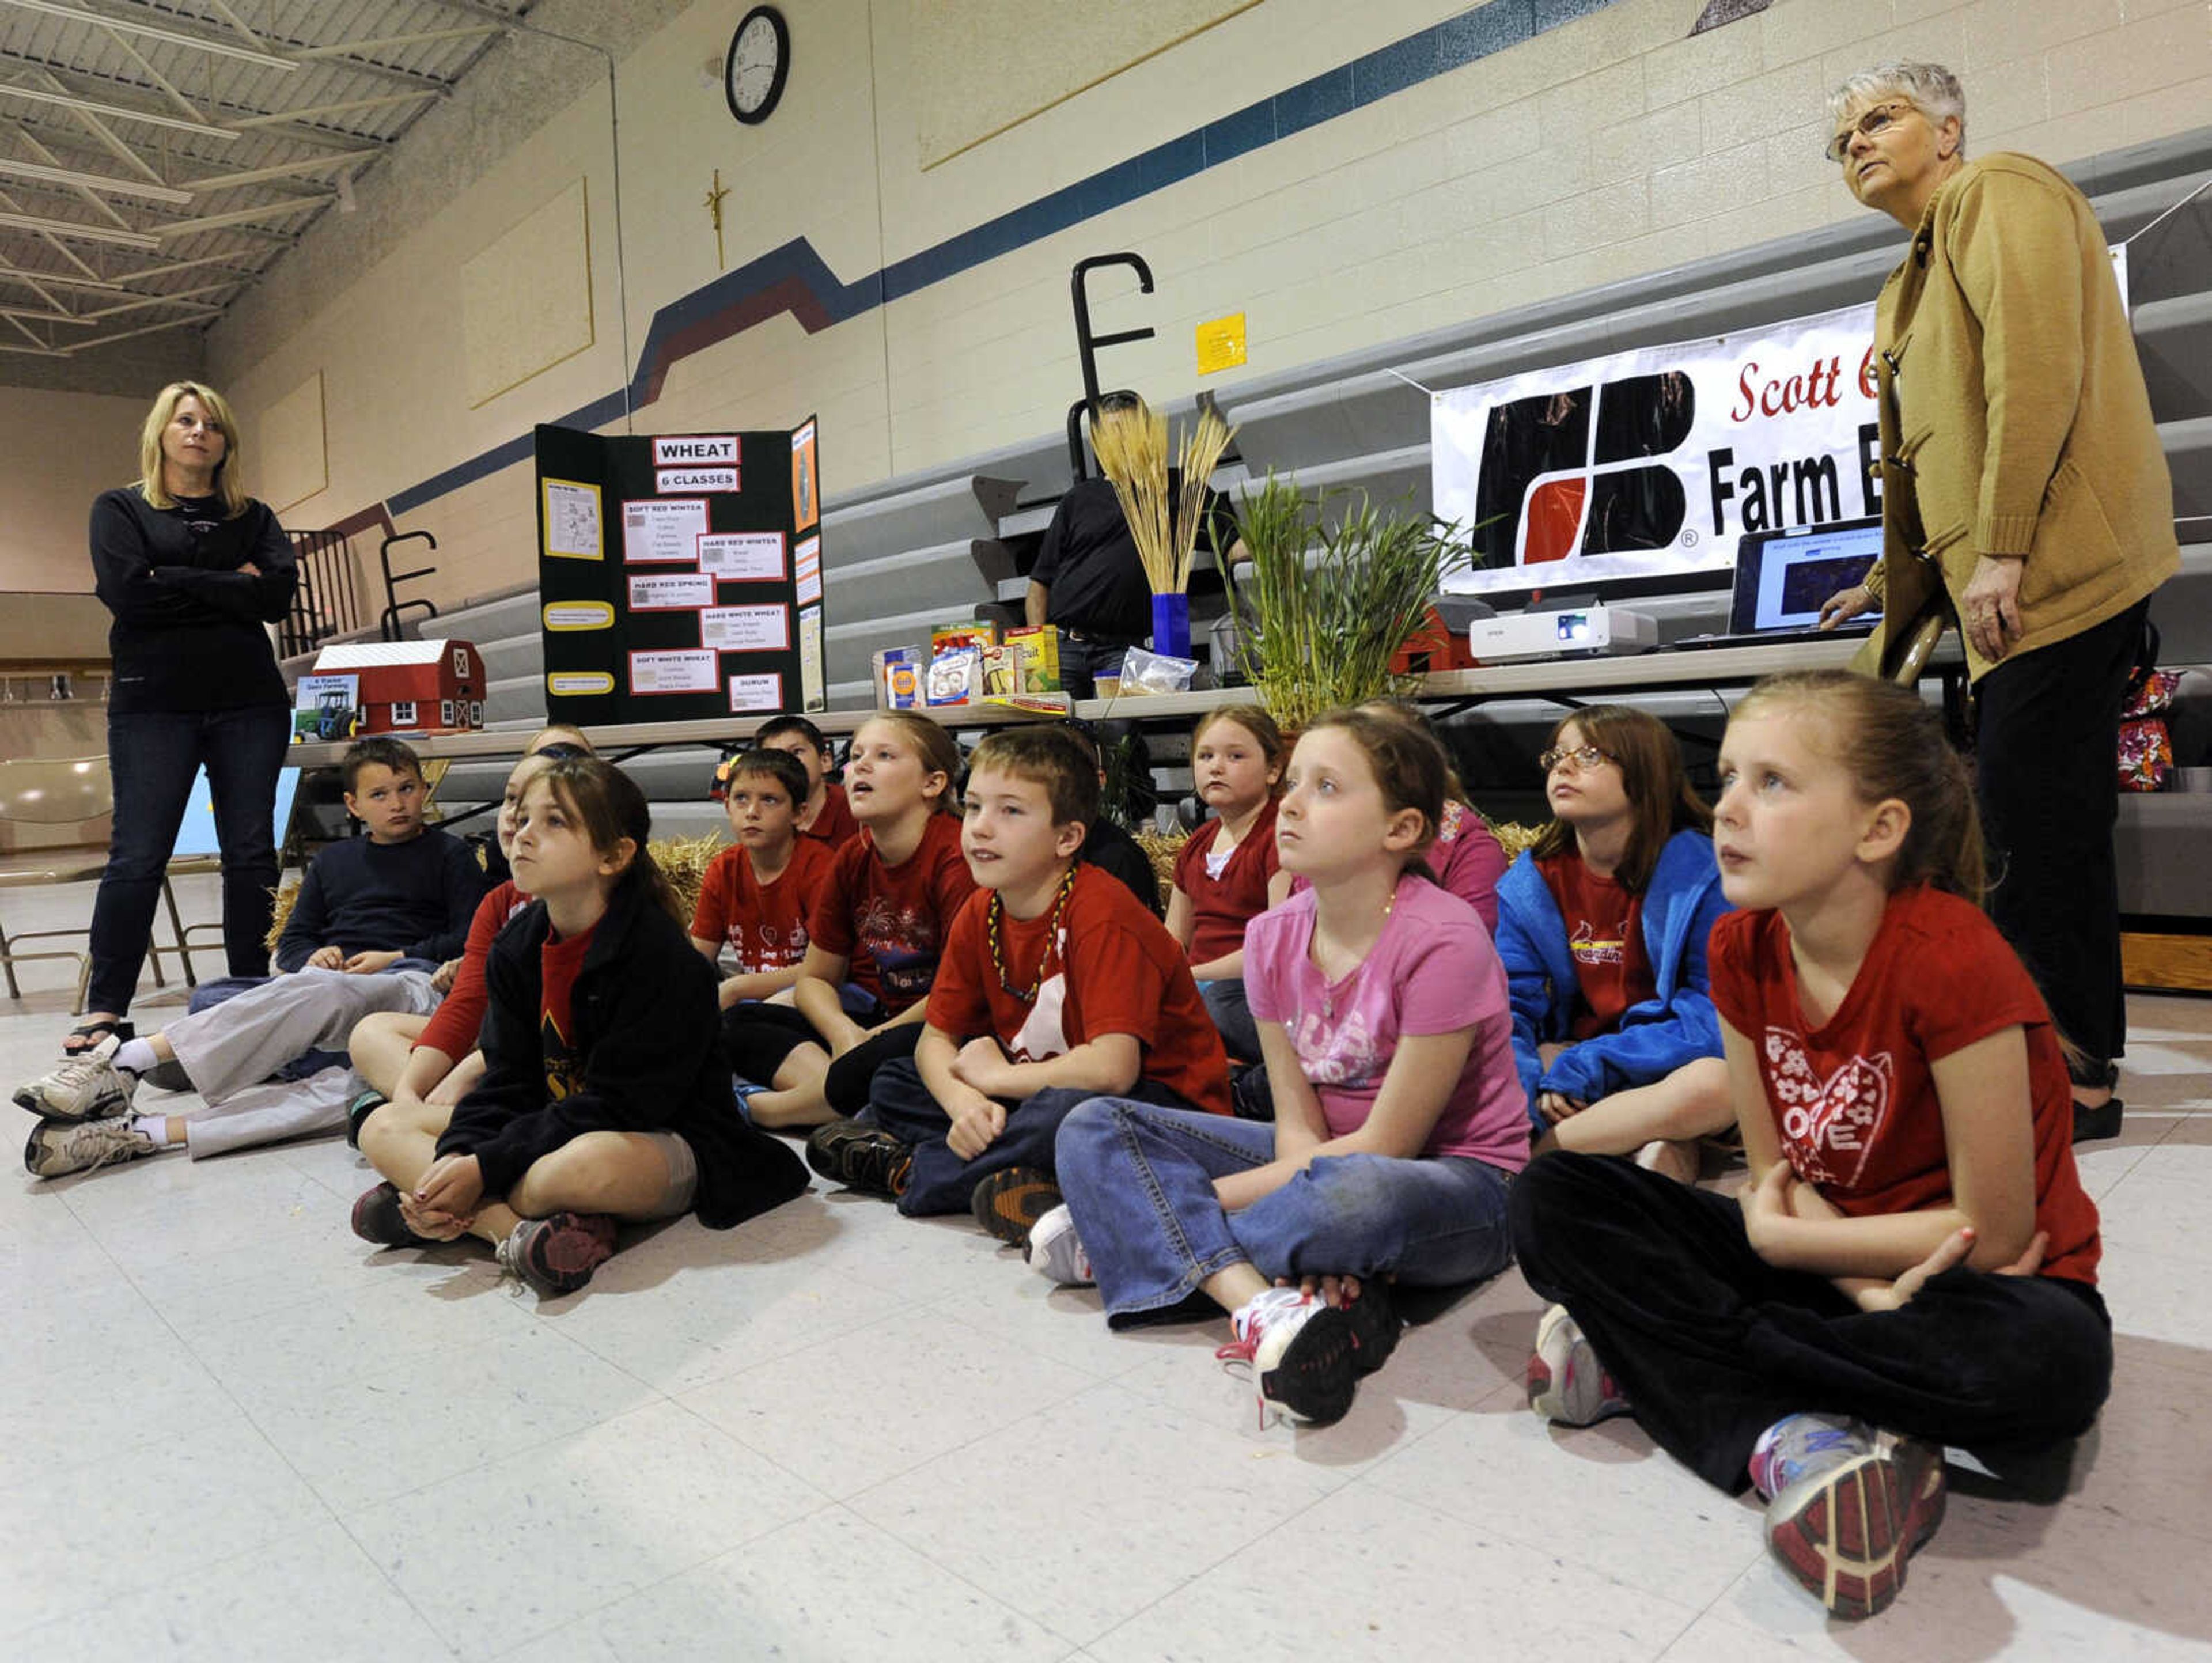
(195,835)
(1783,576)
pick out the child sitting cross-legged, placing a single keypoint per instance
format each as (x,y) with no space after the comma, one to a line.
(1055,985)
(602,1100)
(1381,1012)
(755,896)
(382,914)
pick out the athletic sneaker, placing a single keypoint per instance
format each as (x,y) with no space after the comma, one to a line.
(1008,1204)
(58,1148)
(557,1255)
(87,1087)
(376,1217)
(1860,1509)
(1300,1349)
(1057,1251)
(1375,1325)
(860,1157)
(1567,1384)
(358,1111)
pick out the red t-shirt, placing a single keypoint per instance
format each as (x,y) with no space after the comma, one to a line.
(764,923)
(559,960)
(1221,906)
(1853,1101)
(835,826)
(888,922)
(1111,968)
(1605,934)
(453,1027)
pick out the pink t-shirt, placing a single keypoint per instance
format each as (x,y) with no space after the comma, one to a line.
(1433,971)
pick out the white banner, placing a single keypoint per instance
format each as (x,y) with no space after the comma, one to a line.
(1653,463)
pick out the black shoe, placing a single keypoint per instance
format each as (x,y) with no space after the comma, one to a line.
(2103,1121)
(860,1157)
(166,1077)
(376,1218)
(1009,1204)
(1375,1325)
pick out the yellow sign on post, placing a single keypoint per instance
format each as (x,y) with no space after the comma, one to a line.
(1220,344)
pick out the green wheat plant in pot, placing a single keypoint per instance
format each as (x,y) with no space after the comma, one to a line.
(1322,608)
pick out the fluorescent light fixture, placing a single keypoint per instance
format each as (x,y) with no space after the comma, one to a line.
(87,233)
(129,187)
(154,32)
(71,101)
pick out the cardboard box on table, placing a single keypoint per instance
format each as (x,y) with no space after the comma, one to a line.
(680,575)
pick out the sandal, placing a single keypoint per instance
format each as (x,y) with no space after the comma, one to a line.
(94,1033)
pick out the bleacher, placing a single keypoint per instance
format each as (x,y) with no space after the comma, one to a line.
(957,539)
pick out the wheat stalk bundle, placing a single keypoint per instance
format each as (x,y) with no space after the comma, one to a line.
(1202,447)
(1132,447)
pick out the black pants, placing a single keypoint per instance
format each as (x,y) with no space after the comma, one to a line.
(152,756)
(2045,747)
(1712,1345)
(756,1038)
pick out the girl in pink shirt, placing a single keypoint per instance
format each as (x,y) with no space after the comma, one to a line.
(1381,1014)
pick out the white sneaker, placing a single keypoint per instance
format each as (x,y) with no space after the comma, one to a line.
(87,1087)
(1057,1251)
(1301,1349)
(1567,1384)
(58,1148)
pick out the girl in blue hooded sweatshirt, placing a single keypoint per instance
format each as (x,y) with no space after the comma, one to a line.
(1602,927)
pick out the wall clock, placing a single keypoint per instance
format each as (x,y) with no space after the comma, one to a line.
(758,64)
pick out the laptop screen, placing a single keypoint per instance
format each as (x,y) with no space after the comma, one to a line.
(1782,577)
(196,834)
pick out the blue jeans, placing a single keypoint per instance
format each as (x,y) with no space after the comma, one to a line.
(1232,1016)
(1140,1183)
(942,1181)
(151,758)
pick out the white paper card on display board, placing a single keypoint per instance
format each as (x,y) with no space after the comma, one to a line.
(809,658)
(669,591)
(757,692)
(663,529)
(571,520)
(746,629)
(696,450)
(807,569)
(681,670)
(743,556)
(666,480)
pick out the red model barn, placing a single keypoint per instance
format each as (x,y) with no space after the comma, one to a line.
(412,687)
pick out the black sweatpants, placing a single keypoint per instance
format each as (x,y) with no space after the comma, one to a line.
(756,1038)
(1711,1346)
(2046,740)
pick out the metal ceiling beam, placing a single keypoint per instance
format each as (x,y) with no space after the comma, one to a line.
(121,112)
(277,170)
(168,87)
(50,316)
(202,43)
(223,10)
(241,216)
(187,298)
(84,232)
(38,280)
(108,139)
(127,187)
(378,43)
(277,119)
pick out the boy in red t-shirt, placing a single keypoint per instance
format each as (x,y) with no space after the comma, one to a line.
(1055,985)
(756,895)
(824,815)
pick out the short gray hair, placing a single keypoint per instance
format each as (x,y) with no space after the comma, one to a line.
(1933,90)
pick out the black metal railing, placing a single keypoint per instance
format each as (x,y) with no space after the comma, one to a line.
(328,600)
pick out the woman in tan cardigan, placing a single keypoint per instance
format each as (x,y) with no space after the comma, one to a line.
(2022,472)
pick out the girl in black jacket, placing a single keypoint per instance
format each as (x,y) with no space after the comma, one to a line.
(603,1098)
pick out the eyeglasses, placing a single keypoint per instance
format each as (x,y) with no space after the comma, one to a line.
(1870,122)
(1582,757)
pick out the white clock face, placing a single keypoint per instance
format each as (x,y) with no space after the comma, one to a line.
(755,58)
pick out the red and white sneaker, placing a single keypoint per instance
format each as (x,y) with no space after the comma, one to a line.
(1567,1384)
(1846,1528)
(557,1255)
(1301,1353)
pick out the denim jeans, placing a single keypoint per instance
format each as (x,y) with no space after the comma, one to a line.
(151,758)
(942,1181)
(1140,1183)
(1082,661)
(1232,1016)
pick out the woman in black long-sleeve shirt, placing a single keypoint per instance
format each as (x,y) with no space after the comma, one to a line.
(193,569)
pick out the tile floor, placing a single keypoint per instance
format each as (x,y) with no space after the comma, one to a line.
(230,1430)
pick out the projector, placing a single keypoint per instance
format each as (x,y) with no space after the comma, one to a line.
(1588,631)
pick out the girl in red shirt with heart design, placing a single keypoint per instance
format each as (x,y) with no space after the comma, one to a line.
(1914,1262)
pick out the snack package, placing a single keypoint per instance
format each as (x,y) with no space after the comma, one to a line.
(973,632)
(1004,671)
(955,677)
(1039,645)
(897,675)
(1143,672)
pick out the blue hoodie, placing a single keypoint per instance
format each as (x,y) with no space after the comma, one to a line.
(1678,1024)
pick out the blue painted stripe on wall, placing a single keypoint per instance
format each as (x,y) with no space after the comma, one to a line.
(1453,44)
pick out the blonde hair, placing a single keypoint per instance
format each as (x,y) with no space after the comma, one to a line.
(227,485)
(1933,89)
(939,751)
(1894,746)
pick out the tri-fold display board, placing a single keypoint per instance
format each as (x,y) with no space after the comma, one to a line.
(679,575)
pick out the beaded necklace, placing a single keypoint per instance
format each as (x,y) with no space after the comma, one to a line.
(995,935)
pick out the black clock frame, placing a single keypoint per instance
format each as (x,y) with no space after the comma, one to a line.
(774,16)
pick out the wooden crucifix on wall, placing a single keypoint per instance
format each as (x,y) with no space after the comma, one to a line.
(714,206)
